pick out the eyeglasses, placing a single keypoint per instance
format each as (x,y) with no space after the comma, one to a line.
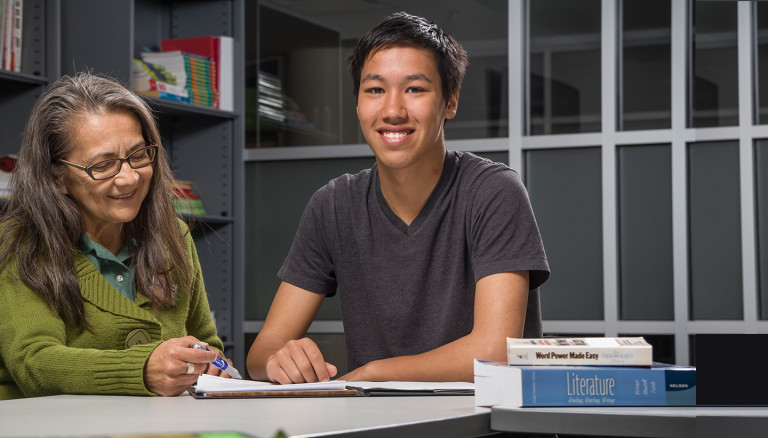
(109,168)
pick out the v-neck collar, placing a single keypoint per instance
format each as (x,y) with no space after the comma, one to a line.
(394,219)
(97,290)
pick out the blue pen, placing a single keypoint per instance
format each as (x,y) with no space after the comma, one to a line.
(221,363)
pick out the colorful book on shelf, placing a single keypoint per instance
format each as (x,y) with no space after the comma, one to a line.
(7,33)
(193,72)
(11,26)
(2,32)
(7,165)
(146,71)
(625,351)
(5,14)
(221,50)
(154,80)
(18,21)
(170,92)
(497,383)
(185,201)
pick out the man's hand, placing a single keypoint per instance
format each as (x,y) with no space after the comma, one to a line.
(299,361)
(365,373)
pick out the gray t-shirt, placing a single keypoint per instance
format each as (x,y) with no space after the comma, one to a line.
(407,289)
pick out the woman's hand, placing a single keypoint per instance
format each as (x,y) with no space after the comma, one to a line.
(166,372)
(212,369)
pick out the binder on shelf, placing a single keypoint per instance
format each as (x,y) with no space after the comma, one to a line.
(222,50)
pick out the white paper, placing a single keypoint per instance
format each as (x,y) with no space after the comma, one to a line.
(414,386)
(209,383)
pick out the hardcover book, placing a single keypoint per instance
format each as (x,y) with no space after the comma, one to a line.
(626,351)
(497,383)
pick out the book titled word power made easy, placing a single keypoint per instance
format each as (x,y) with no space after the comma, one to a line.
(498,383)
(622,351)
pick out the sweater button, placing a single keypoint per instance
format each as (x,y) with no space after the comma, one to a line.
(138,336)
(119,278)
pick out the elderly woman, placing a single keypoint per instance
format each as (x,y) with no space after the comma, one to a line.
(100,285)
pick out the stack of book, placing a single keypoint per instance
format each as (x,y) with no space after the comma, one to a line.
(582,372)
(7,164)
(221,50)
(194,77)
(185,201)
(271,101)
(11,21)
(154,80)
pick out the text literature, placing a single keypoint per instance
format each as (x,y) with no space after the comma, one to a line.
(497,383)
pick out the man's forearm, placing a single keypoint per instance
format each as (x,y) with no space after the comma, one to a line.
(452,362)
(263,347)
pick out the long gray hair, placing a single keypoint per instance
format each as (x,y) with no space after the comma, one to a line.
(41,225)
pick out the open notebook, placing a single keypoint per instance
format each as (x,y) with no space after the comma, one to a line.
(218,387)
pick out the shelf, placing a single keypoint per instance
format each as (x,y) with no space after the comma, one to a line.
(6,75)
(171,108)
(210,220)
(202,144)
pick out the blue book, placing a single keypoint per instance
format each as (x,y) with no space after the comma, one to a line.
(497,383)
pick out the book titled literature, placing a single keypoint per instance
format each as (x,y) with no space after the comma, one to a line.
(497,383)
(625,351)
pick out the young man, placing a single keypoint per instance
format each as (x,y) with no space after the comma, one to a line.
(435,254)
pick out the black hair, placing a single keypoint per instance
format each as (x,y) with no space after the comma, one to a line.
(406,29)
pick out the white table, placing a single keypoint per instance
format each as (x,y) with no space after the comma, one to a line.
(88,415)
(646,422)
(444,416)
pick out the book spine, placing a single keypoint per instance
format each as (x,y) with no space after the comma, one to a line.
(608,386)
(225,80)
(7,32)
(574,355)
(16,39)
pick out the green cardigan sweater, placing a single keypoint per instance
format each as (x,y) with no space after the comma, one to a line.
(40,354)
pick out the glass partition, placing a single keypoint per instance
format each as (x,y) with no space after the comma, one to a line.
(761,85)
(646,75)
(564,67)
(565,187)
(714,76)
(645,232)
(714,221)
(298,89)
(761,196)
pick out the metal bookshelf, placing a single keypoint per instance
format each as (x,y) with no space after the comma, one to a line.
(203,145)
